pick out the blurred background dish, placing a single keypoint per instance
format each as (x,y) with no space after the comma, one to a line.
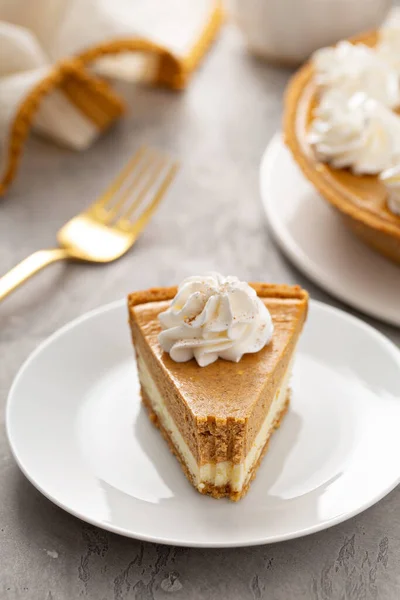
(288,31)
(315,239)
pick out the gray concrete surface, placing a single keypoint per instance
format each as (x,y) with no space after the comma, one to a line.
(212,219)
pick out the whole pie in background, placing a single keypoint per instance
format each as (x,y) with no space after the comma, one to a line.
(361,199)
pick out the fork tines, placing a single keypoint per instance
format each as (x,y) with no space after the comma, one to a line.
(136,192)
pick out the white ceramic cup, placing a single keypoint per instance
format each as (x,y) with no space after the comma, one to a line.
(288,31)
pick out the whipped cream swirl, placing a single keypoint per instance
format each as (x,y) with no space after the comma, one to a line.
(356,132)
(391,179)
(214,317)
(352,68)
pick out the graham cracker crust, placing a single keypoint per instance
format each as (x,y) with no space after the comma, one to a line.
(209,489)
(264,290)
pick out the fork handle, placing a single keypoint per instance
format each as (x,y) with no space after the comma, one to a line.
(28,267)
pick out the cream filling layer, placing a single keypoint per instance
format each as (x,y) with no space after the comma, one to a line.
(222,473)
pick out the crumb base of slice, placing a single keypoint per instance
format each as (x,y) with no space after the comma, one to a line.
(209,489)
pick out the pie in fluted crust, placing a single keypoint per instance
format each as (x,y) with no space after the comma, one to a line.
(361,200)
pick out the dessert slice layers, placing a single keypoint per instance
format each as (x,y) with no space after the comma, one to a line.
(218,419)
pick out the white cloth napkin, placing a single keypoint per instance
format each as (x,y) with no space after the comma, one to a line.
(158,41)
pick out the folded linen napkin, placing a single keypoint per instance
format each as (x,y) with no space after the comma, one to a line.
(56,54)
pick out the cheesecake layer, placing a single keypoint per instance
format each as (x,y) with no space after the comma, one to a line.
(234,477)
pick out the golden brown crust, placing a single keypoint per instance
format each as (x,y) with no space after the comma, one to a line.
(209,489)
(361,199)
(264,290)
(156,294)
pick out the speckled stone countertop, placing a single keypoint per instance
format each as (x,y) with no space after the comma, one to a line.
(212,220)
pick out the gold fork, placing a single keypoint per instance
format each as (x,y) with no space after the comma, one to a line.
(111,225)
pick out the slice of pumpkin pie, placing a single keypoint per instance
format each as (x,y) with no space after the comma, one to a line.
(214,359)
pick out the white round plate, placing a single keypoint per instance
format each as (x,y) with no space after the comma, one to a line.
(79,433)
(314,238)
